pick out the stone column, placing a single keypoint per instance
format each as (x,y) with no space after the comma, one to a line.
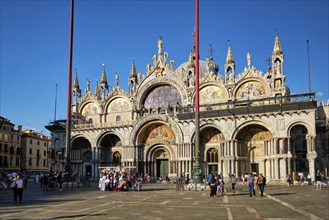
(276,146)
(311,159)
(236,171)
(276,168)
(235,153)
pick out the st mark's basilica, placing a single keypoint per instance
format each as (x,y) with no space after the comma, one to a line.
(249,121)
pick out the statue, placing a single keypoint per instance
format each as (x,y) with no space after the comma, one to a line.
(160,46)
(249,59)
(148,69)
(116,80)
(88,85)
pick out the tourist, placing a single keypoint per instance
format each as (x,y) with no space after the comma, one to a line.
(213,187)
(18,190)
(261,181)
(220,185)
(250,181)
(318,180)
(59,178)
(233,182)
(289,180)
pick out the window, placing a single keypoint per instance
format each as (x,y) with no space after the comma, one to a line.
(44,163)
(212,155)
(17,161)
(30,161)
(45,144)
(38,162)
(6,148)
(30,141)
(44,153)
(38,143)
(38,153)
(0,146)
(30,150)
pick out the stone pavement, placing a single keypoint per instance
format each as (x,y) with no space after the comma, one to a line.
(162,201)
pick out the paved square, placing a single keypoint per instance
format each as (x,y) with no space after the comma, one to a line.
(162,201)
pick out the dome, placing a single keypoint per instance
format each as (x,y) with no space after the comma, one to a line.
(203,69)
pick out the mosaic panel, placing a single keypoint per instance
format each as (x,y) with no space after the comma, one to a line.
(90,109)
(211,94)
(251,89)
(162,96)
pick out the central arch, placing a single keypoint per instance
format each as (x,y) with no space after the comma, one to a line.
(252,148)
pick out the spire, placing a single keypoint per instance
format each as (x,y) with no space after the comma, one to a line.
(133,70)
(97,93)
(103,82)
(229,57)
(76,87)
(277,46)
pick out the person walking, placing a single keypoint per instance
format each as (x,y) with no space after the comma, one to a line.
(59,178)
(233,182)
(18,191)
(318,180)
(213,187)
(251,185)
(261,181)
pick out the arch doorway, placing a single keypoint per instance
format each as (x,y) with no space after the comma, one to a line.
(161,159)
(299,148)
(212,142)
(252,147)
(81,156)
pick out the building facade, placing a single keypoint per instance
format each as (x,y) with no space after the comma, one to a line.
(35,150)
(322,137)
(10,145)
(249,121)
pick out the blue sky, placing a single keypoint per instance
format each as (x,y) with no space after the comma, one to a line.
(34,44)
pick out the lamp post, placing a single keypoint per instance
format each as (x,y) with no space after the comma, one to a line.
(196,167)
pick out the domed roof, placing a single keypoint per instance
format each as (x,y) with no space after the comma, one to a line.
(203,69)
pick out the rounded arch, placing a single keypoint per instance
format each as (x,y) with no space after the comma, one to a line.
(207,126)
(151,151)
(103,135)
(118,103)
(154,133)
(158,119)
(245,124)
(252,88)
(296,123)
(212,93)
(116,158)
(212,155)
(89,108)
(79,141)
(155,82)
(298,143)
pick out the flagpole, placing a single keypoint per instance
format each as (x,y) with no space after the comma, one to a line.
(69,95)
(309,66)
(197,169)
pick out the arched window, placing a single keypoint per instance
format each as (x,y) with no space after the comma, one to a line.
(118,119)
(212,155)
(116,158)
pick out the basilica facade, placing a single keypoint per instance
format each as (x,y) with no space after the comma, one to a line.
(249,121)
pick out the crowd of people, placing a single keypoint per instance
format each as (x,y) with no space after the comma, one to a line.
(120,180)
(251,180)
(18,181)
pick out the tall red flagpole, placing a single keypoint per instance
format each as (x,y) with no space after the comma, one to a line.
(69,95)
(197,169)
